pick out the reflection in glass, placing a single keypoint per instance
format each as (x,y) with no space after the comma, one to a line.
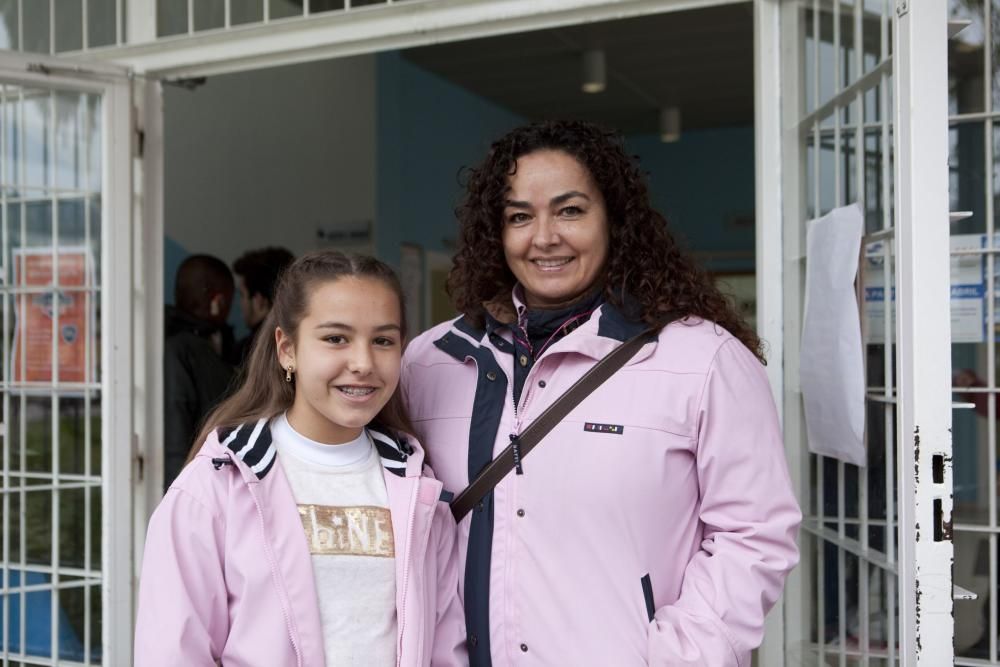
(171,18)
(246,11)
(966,176)
(827,171)
(34,120)
(970,434)
(282,9)
(35,27)
(810,165)
(101,16)
(874,194)
(209,14)
(848,168)
(848,67)
(966,54)
(8,25)
(871,33)
(972,572)
(69,25)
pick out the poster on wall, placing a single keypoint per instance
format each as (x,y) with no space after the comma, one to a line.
(968,290)
(36,314)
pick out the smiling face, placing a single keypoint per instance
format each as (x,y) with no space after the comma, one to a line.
(346,357)
(555,233)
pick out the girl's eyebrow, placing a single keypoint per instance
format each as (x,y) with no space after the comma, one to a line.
(348,327)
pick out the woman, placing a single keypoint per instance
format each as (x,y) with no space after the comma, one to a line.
(656,523)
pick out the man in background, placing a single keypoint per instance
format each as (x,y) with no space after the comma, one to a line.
(257,273)
(196,377)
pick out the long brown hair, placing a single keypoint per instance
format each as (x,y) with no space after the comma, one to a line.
(645,262)
(262,390)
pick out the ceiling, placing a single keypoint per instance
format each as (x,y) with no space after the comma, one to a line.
(700,61)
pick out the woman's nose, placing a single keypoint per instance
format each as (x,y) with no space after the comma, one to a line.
(545,234)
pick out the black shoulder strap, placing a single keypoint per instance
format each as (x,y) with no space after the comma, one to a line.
(511,457)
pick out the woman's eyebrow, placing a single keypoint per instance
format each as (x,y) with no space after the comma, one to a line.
(513,203)
(555,201)
(559,199)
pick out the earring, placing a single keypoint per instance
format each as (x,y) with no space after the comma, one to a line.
(288,373)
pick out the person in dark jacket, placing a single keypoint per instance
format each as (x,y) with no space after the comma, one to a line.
(196,376)
(257,274)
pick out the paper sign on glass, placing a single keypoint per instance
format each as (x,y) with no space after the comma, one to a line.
(831,370)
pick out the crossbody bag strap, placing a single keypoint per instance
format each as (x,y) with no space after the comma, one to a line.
(511,457)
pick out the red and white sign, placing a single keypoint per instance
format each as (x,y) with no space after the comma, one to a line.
(32,358)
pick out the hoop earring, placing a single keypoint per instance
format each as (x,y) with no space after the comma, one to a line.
(288,373)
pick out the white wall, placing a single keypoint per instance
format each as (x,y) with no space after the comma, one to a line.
(267,157)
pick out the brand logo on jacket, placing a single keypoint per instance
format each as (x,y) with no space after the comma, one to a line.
(591,427)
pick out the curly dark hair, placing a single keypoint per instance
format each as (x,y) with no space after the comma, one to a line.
(645,262)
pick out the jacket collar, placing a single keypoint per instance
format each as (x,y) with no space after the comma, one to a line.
(604,331)
(252,444)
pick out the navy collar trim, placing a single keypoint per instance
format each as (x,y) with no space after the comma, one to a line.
(623,323)
(616,323)
(253,445)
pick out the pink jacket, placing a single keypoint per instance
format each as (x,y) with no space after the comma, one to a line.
(654,525)
(227,574)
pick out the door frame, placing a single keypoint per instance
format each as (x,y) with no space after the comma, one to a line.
(410,25)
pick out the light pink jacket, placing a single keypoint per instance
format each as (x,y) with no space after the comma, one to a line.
(673,470)
(227,574)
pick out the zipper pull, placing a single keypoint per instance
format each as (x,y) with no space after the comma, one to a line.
(219,462)
(517,454)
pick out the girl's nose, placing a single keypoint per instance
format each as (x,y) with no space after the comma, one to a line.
(361,360)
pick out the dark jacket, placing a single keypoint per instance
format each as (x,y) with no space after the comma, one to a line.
(195,379)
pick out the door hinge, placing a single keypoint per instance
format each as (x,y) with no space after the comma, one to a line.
(140,460)
(902,7)
(140,134)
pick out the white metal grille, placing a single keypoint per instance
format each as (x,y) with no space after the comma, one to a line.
(853,526)
(180,17)
(840,139)
(56,26)
(50,236)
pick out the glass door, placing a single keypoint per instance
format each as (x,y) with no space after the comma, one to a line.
(65,363)
(864,91)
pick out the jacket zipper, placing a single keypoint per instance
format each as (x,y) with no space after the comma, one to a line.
(406,569)
(274,570)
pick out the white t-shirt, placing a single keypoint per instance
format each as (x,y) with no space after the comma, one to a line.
(340,492)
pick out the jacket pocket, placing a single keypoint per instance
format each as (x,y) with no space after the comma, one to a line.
(647,594)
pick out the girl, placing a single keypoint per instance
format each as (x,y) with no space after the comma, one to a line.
(306,530)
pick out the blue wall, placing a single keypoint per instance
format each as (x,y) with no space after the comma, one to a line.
(427,130)
(704,184)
